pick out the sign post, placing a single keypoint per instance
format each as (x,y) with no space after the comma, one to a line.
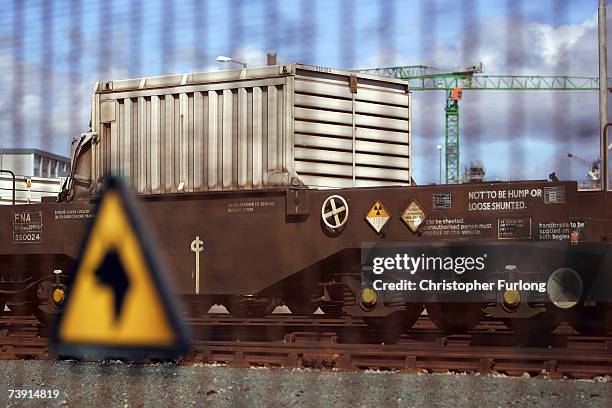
(119,304)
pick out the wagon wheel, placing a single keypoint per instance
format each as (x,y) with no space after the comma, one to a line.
(23,308)
(332,311)
(197,308)
(251,308)
(415,310)
(455,317)
(44,307)
(541,324)
(389,328)
(262,309)
(596,320)
(46,313)
(301,306)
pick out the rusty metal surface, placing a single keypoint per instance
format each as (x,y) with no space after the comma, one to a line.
(261,237)
(347,345)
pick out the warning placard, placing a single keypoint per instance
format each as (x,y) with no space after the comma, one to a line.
(377,217)
(118,304)
(413,216)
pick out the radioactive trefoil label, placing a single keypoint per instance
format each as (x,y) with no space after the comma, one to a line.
(377,217)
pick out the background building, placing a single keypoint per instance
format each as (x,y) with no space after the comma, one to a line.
(34,163)
(37,174)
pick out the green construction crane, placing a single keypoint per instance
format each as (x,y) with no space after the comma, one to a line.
(454,81)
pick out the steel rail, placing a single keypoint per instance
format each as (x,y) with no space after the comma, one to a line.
(317,343)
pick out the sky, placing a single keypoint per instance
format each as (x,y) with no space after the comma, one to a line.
(53,52)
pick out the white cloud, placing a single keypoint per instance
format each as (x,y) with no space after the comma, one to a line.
(251,55)
(65,112)
(529,48)
(490,130)
(550,44)
(516,134)
(31,103)
(190,58)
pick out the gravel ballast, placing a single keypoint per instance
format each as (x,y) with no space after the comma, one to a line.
(119,384)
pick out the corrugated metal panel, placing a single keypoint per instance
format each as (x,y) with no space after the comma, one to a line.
(346,139)
(221,139)
(249,129)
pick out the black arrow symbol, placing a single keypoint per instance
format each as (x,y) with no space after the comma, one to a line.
(111,273)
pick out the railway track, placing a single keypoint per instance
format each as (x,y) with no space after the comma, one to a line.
(346,344)
(22,337)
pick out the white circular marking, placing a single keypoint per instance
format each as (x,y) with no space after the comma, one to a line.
(334,212)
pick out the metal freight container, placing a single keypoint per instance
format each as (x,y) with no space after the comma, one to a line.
(253,128)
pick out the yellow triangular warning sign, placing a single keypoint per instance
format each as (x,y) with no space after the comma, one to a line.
(118,303)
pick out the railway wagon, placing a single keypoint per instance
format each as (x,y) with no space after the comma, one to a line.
(274,177)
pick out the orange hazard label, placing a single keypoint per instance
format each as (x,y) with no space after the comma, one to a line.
(378,216)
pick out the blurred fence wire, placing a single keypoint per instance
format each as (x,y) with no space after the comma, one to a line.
(52,52)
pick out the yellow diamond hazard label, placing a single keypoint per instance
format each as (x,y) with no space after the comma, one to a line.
(377,217)
(413,216)
(118,304)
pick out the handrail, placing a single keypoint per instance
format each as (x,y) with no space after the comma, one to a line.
(12,175)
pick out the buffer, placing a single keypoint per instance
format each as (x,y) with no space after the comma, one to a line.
(119,304)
